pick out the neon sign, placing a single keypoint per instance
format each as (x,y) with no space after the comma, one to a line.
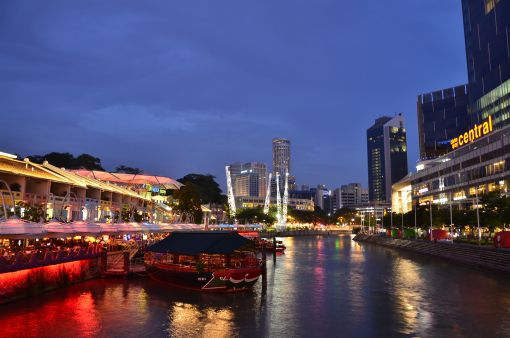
(479,130)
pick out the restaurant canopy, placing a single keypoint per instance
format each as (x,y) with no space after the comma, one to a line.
(198,242)
(131,179)
(16,228)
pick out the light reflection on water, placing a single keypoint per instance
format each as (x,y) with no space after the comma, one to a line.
(321,287)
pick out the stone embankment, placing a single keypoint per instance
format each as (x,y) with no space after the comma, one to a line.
(480,257)
(296,233)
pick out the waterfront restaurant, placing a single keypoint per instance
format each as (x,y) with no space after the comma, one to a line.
(61,194)
(459,177)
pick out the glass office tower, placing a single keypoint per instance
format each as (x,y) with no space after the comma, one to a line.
(387,156)
(442,115)
(486,31)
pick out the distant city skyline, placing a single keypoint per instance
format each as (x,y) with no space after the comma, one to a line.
(175,90)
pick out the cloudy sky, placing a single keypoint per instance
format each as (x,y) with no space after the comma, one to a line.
(175,87)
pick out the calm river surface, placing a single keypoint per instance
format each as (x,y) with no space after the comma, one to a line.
(321,287)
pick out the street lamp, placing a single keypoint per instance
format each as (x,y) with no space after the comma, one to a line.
(430,208)
(478,216)
(415,206)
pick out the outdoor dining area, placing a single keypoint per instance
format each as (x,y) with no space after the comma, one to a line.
(25,244)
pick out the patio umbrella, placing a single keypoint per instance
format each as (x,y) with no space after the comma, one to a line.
(15,228)
(85,228)
(58,229)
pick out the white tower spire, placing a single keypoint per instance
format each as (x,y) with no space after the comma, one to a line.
(278,200)
(230,193)
(285,201)
(268,195)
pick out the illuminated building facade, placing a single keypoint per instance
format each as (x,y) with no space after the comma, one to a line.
(351,195)
(249,179)
(487,37)
(387,156)
(482,165)
(258,202)
(65,195)
(281,157)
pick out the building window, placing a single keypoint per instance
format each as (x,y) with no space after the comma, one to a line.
(489,5)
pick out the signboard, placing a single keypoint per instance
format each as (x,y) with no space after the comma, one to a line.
(479,130)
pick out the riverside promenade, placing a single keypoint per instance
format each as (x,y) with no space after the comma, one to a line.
(475,256)
(299,233)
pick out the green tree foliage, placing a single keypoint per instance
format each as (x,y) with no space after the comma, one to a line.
(343,215)
(318,216)
(207,188)
(67,160)
(188,200)
(128,170)
(254,215)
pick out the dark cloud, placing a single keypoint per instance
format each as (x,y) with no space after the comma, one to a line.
(182,86)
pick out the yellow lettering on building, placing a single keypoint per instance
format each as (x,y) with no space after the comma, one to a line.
(479,130)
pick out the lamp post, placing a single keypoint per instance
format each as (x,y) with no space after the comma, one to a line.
(391,220)
(451,214)
(430,209)
(369,221)
(415,223)
(402,224)
(478,216)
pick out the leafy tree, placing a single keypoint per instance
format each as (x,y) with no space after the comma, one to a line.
(208,189)
(188,200)
(343,215)
(302,216)
(67,160)
(128,170)
(254,215)
(87,161)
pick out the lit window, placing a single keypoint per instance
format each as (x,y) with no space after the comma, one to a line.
(489,5)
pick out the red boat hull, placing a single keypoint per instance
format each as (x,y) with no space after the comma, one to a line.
(225,280)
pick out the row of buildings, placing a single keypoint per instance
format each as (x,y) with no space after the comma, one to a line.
(48,192)
(250,184)
(464,131)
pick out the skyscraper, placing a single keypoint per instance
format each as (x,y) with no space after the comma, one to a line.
(442,115)
(249,179)
(487,36)
(387,156)
(281,156)
(352,195)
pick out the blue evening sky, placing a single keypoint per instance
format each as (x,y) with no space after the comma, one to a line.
(175,87)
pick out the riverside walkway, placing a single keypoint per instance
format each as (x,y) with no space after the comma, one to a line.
(476,256)
(298,233)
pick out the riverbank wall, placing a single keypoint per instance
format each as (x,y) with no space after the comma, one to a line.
(479,257)
(33,281)
(298,233)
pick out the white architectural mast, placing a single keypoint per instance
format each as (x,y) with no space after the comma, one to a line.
(285,202)
(268,195)
(230,193)
(278,200)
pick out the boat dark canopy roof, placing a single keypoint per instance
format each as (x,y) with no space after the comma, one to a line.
(198,242)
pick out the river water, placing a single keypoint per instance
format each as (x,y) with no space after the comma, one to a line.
(320,287)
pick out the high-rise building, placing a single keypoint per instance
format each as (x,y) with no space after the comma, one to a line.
(352,195)
(281,156)
(249,179)
(487,36)
(387,156)
(322,198)
(442,115)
